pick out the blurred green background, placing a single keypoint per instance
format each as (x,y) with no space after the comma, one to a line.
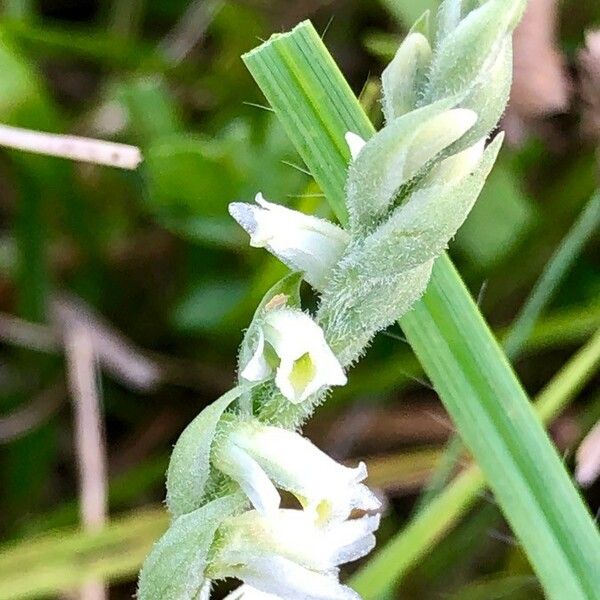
(150,264)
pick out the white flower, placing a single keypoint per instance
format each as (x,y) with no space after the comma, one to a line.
(288,555)
(304,243)
(260,457)
(293,345)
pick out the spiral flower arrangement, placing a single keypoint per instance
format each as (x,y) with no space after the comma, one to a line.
(408,190)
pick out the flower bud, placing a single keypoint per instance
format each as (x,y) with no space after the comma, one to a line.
(473,61)
(402,78)
(304,243)
(292,345)
(326,489)
(394,155)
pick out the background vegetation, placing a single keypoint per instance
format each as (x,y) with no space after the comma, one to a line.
(150,266)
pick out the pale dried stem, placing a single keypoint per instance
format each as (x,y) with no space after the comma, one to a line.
(73,147)
(90,447)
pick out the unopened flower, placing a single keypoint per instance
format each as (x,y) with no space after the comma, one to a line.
(293,345)
(304,243)
(457,166)
(262,457)
(288,555)
(355,143)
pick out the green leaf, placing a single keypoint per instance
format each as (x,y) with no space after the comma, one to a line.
(406,549)
(456,348)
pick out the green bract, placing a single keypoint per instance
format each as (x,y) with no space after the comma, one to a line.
(190,469)
(175,569)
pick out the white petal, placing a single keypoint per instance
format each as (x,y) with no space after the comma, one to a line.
(257,368)
(255,483)
(296,337)
(305,243)
(326,488)
(245,592)
(355,143)
(294,535)
(282,577)
(353,538)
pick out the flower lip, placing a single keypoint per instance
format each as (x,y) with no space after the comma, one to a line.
(306,363)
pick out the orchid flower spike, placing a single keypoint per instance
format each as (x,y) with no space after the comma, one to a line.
(262,457)
(289,556)
(294,346)
(304,243)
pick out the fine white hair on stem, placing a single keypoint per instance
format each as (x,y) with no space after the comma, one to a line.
(89,441)
(74,147)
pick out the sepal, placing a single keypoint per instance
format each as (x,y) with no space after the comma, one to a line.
(286,292)
(189,469)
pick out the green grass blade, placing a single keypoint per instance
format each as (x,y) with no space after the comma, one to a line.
(453,343)
(554,272)
(406,549)
(524,323)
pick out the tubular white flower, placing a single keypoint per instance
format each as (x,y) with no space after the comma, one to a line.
(304,243)
(288,555)
(326,489)
(303,362)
